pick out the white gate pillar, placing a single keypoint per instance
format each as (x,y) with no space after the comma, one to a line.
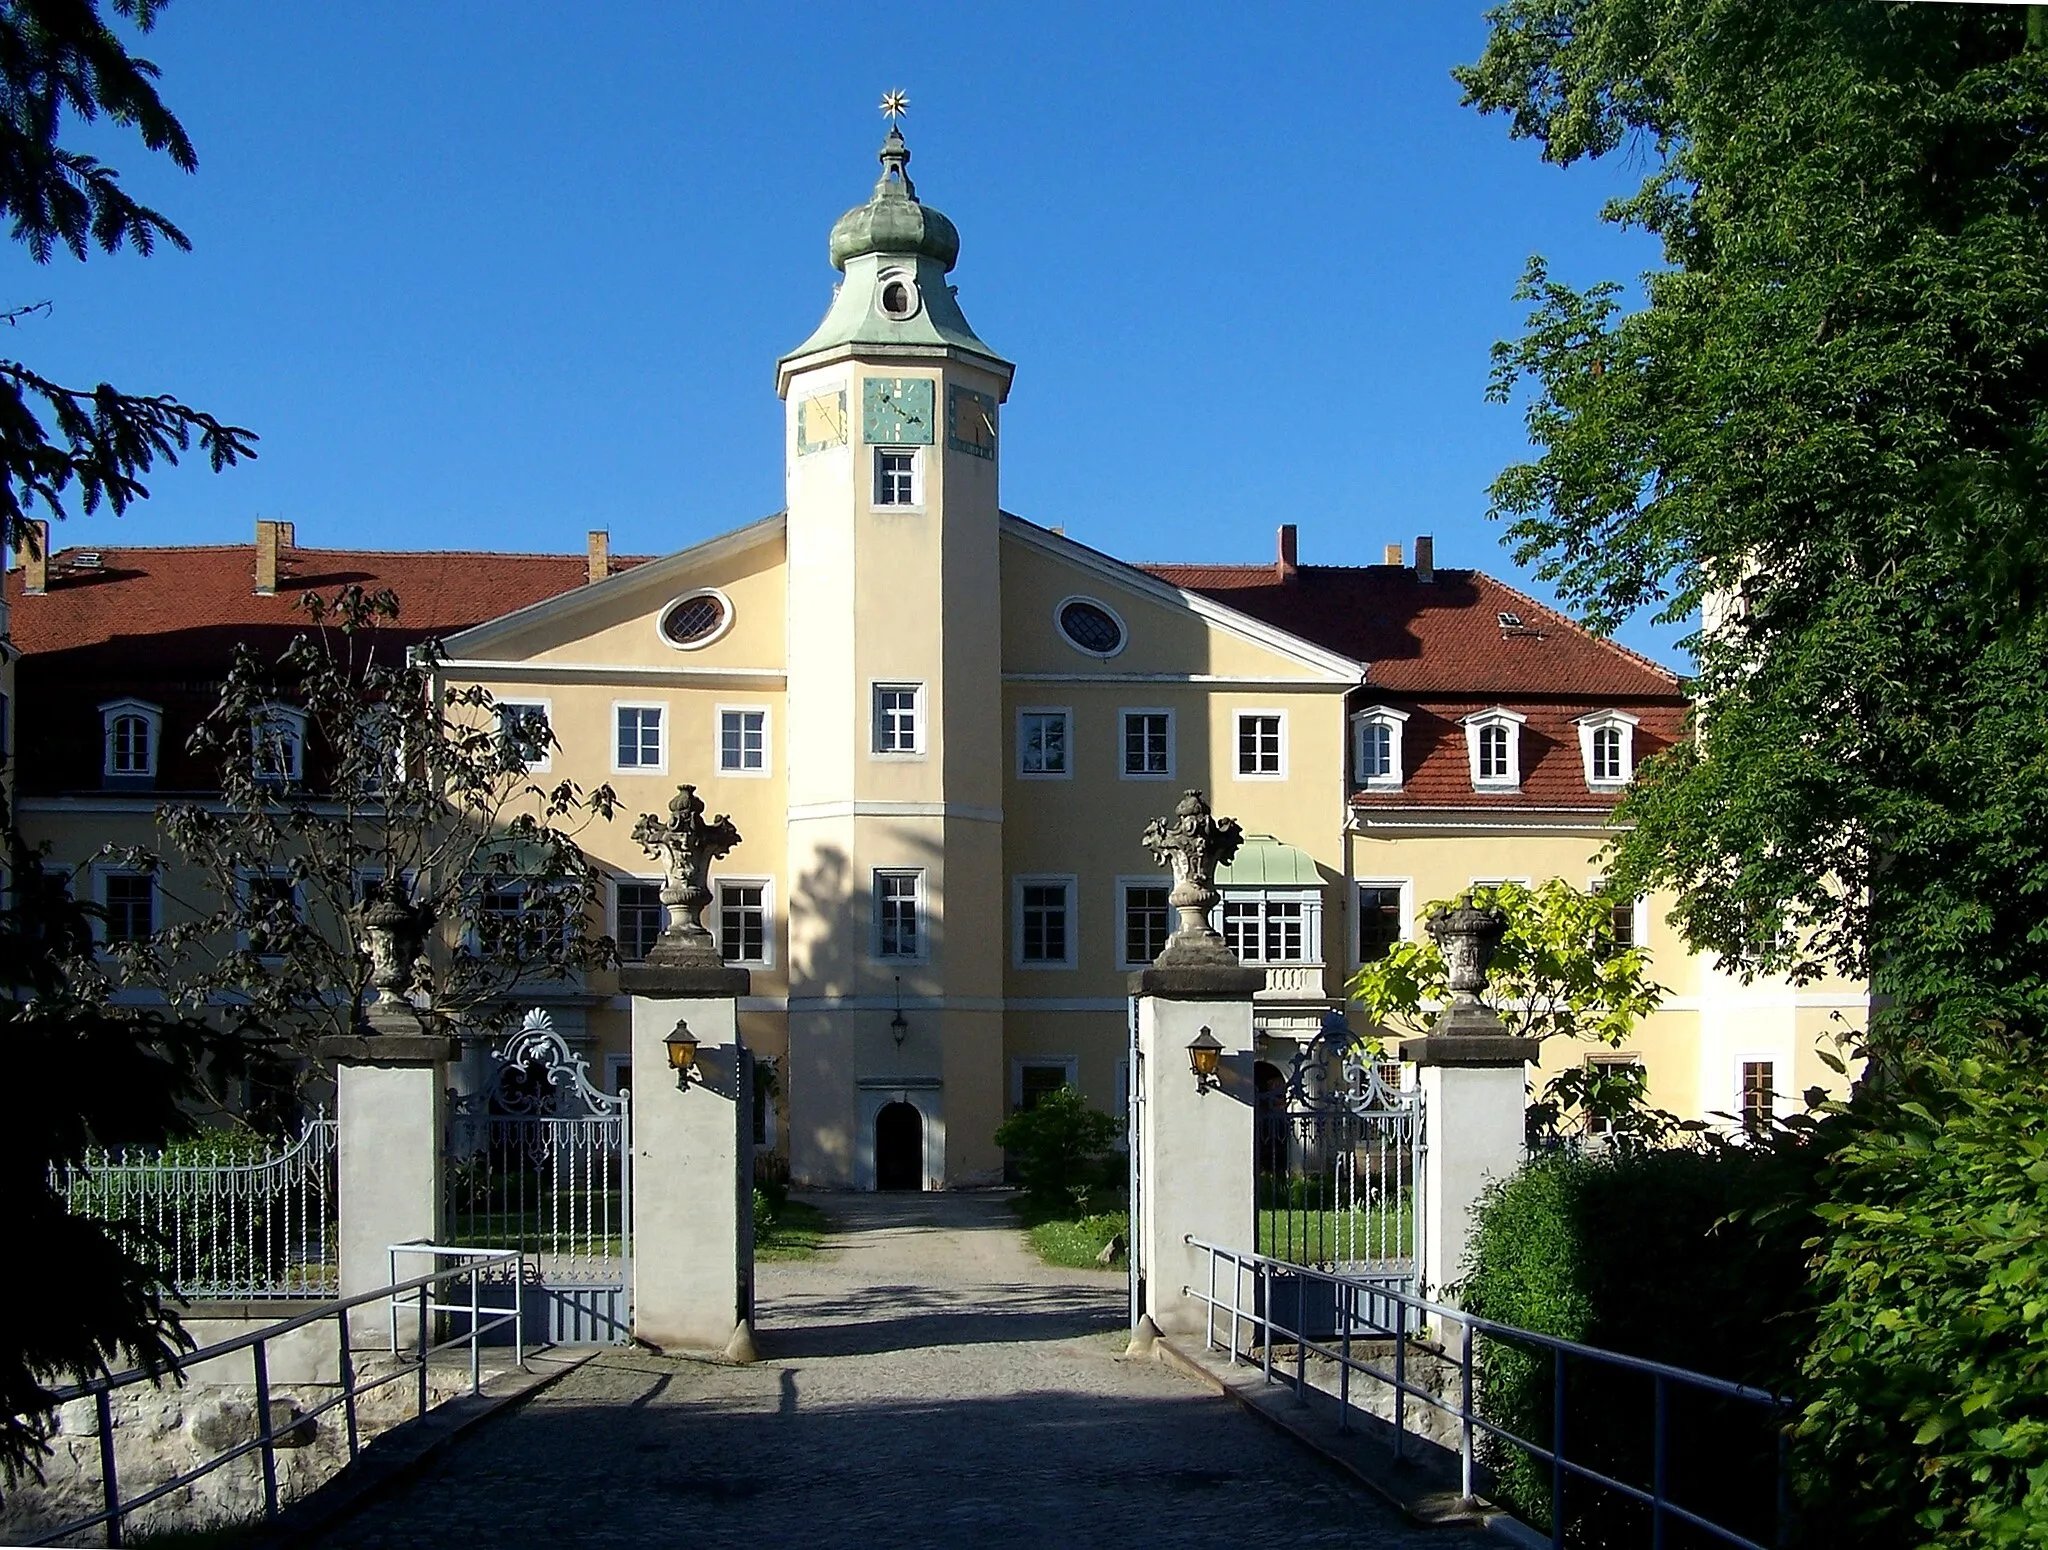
(391,1118)
(1474,1096)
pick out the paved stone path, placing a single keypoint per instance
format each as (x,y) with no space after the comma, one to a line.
(924,1381)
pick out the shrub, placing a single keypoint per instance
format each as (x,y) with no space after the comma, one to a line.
(1061,1147)
(1926,1416)
(1686,1256)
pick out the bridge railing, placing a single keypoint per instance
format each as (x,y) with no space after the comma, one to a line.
(1348,1310)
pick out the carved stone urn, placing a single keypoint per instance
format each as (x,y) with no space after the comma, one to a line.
(1194,843)
(1468,1031)
(1468,937)
(687,844)
(391,931)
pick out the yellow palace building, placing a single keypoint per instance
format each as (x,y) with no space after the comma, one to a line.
(940,729)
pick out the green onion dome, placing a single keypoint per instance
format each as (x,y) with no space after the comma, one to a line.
(893,221)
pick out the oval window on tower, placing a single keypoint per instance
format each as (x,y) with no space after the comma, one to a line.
(899,297)
(696,619)
(1090,626)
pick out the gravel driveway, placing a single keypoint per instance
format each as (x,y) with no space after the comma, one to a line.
(924,1381)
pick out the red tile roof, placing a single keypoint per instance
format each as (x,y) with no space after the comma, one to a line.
(1442,636)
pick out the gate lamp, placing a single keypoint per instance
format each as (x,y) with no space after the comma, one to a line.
(682,1054)
(1205,1055)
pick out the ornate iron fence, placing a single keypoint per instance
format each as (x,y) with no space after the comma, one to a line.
(540,1161)
(224,1216)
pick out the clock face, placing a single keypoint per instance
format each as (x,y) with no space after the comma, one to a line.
(897,411)
(821,421)
(970,422)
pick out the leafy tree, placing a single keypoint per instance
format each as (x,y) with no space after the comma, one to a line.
(97,1075)
(61,61)
(1826,426)
(1559,973)
(392,787)
(1061,1147)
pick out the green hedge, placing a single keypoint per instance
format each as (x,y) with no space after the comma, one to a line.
(1636,1252)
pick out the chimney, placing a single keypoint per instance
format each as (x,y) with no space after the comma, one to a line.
(32,548)
(267,538)
(599,549)
(1425,558)
(1393,554)
(1284,568)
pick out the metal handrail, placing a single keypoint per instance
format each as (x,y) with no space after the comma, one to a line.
(1411,1314)
(101,1389)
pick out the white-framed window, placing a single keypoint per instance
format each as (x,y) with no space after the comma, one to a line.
(899,476)
(1607,748)
(1034,1076)
(272,912)
(1147,743)
(637,917)
(1629,917)
(129,900)
(1384,909)
(1272,925)
(526,733)
(1493,744)
(743,740)
(1261,745)
(899,719)
(1376,747)
(277,744)
(1617,1061)
(899,914)
(639,738)
(1044,934)
(131,730)
(746,920)
(1756,1093)
(1144,920)
(516,920)
(1045,743)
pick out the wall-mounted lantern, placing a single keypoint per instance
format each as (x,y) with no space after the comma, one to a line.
(899,1027)
(1205,1056)
(682,1054)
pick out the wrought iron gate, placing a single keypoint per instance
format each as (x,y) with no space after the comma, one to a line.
(1339,1163)
(542,1161)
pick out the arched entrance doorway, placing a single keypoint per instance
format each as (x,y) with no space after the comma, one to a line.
(899,1147)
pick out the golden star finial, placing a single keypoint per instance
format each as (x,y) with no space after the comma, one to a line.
(895,104)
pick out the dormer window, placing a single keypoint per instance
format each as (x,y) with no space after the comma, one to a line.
(1607,747)
(277,739)
(132,730)
(1493,743)
(1376,748)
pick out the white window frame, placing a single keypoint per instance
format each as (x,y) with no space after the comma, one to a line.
(1123,715)
(916,453)
(152,718)
(1123,887)
(1070,1064)
(1639,911)
(1311,902)
(660,765)
(1066,715)
(918,904)
(718,715)
(1512,722)
(1406,886)
(103,873)
(546,706)
(1071,885)
(718,634)
(919,741)
(243,879)
(1601,720)
(1237,721)
(611,903)
(276,713)
(1393,720)
(746,880)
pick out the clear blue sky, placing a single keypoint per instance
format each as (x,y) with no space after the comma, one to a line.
(487,275)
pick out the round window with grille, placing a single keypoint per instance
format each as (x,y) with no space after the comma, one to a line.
(696,619)
(1089,626)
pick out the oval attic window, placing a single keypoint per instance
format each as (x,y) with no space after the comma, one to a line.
(1091,627)
(696,620)
(896,299)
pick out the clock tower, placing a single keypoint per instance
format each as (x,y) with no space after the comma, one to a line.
(895,732)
